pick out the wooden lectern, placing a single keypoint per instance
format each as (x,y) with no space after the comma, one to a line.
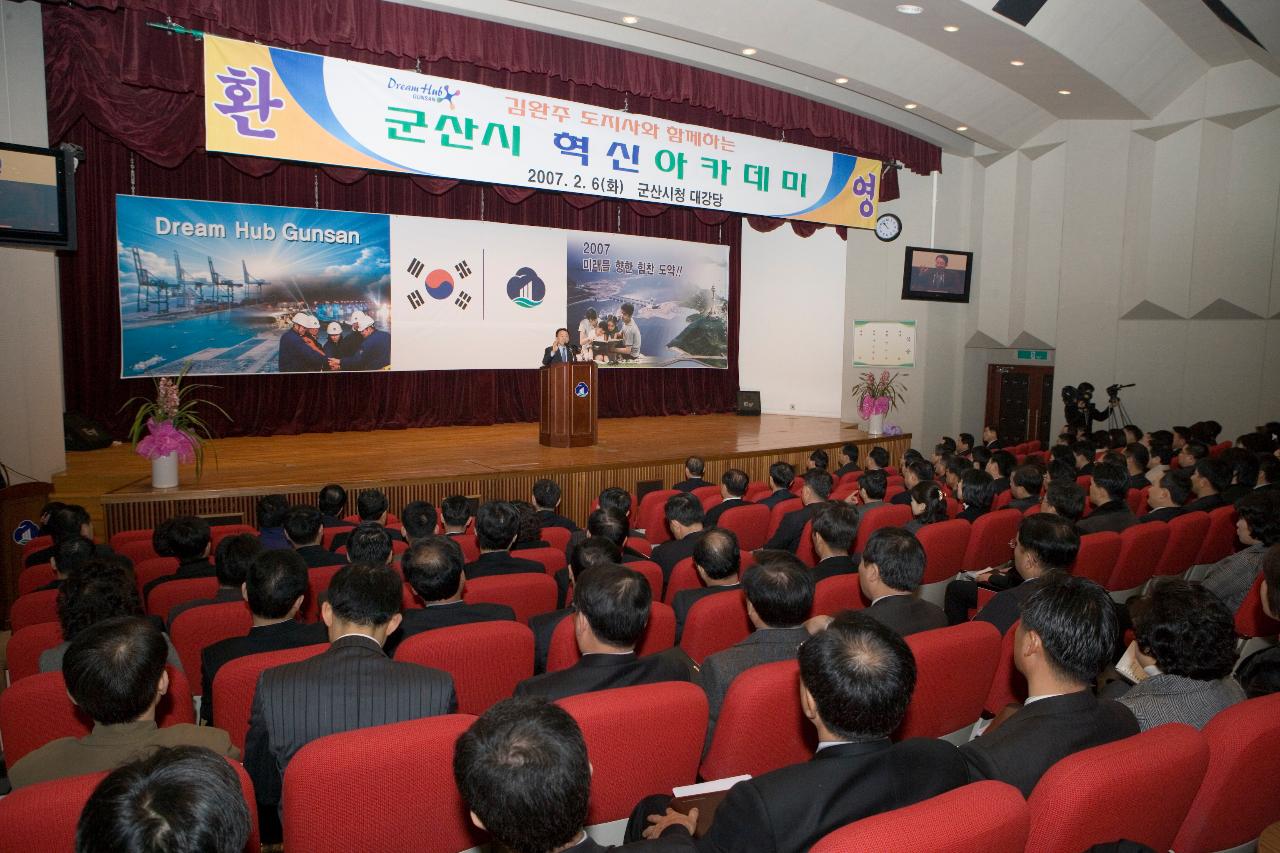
(569,393)
(19,503)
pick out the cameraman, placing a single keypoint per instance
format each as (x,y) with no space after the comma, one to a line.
(1078,406)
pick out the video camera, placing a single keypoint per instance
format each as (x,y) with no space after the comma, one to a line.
(1113,391)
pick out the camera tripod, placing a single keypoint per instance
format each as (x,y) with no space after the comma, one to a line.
(1119,415)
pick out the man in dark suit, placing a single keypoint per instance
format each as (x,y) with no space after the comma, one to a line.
(716,559)
(231,563)
(591,552)
(188,539)
(915,472)
(1166,498)
(68,556)
(1108,490)
(433,568)
(693,468)
(990,437)
(419,520)
(779,592)
(1245,465)
(780,476)
(817,488)
(303,529)
(274,587)
(872,487)
(891,570)
(561,351)
(66,522)
(835,529)
(1000,466)
(332,502)
(1136,460)
(611,606)
(497,525)
(848,460)
(684,519)
(371,506)
(1082,453)
(856,680)
(351,685)
(1066,638)
(733,490)
(546,502)
(1209,479)
(1025,485)
(1269,474)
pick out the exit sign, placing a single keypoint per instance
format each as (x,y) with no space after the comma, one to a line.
(1034,354)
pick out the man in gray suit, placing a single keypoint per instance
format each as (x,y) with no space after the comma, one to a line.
(891,571)
(779,593)
(352,685)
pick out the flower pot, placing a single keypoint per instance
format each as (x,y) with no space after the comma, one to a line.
(875,424)
(164,471)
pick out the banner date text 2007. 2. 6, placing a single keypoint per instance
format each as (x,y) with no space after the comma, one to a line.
(549,178)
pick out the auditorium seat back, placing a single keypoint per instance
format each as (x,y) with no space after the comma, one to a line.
(168,595)
(1002,500)
(640,740)
(885,515)
(486,659)
(138,550)
(1103,794)
(989,539)
(780,509)
(317,585)
(22,654)
(467,542)
(236,681)
(987,816)
(153,568)
(944,544)
(221,531)
(397,791)
(1140,549)
(659,635)
(651,515)
(954,669)
(552,559)
(33,608)
(640,544)
(708,496)
(836,593)
(683,576)
(138,534)
(805,550)
(1008,686)
(1251,619)
(1137,500)
(1096,558)
(34,577)
(749,523)
(37,710)
(39,543)
(557,537)
(1220,541)
(200,627)
(715,623)
(1186,533)
(527,594)
(652,573)
(761,726)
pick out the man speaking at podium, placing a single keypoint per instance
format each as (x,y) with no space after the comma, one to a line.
(560,352)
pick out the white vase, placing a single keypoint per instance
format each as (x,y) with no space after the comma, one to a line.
(876,424)
(164,471)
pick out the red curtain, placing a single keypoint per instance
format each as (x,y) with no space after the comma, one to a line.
(130,95)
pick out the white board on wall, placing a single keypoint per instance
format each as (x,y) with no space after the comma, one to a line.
(884,343)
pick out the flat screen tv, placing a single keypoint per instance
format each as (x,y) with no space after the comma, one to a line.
(36,202)
(937,275)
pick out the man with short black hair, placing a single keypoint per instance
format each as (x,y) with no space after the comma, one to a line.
(115,673)
(591,552)
(817,488)
(612,524)
(332,502)
(963,445)
(1136,459)
(990,437)
(65,522)
(1209,478)
(351,685)
(877,459)
(1067,636)
(1063,498)
(848,460)
(1000,466)
(303,530)
(274,587)
(780,476)
(1025,487)
(455,514)
(684,519)
(891,570)
(733,491)
(835,530)
(872,486)
(716,559)
(693,468)
(1044,544)
(546,502)
(433,568)
(1082,454)
(68,556)
(1244,472)
(1165,499)
(419,520)
(779,592)
(1269,474)
(914,473)
(370,542)
(497,525)
(1192,452)
(270,518)
(188,540)
(818,460)
(371,506)
(231,566)
(611,606)
(1108,491)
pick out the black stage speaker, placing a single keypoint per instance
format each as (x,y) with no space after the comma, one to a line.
(83,433)
(1019,11)
(748,402)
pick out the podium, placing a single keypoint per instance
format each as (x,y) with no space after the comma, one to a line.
(569,393)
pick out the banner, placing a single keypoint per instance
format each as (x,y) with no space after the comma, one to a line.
(245,288)
(263,101)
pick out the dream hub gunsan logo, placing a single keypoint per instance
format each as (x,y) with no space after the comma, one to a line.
(526,288)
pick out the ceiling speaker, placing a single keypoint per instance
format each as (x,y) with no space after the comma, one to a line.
(1021,11)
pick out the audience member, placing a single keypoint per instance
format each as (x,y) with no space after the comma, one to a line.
(928,505)
(877,459)
(716,560)
(733,491)
(914,473)
(369,542)
(848,460)
(1137,460)
(455,514)
(781,474)
(1269,474)
(546,500)
(963,444)
(1025,486)
(1001,467)
(1244,473)
(978,458)
(1083,453)
(419,520)
(693,468)
(303,530)
(529,529)
(1259,673)
(497,525)
(990,437)
(189,541)
(115,673)
(891,571)
(817,459)
(68,556)
(1063,498)
(371,507)
(592,552)
(1192,452)
(65,521)
(332,503)
(976,492)
(835,530)
(612,524)
(872,486)
(433,568)
(1258,528)
(684,518)
(270,517)
(231,566)
(817,488)
(1107,491)
(1166,497)
(1209,479)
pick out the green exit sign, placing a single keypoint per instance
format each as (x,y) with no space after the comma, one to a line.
(1034,354)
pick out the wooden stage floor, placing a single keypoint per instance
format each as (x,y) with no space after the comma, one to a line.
(490,462)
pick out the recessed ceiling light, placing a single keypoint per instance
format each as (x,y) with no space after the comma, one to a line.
(962,128)
(630,19)
(910,106)
(1017,63)
(910,9)
(951,28)
(842,80)
(1064,91)
(748,51)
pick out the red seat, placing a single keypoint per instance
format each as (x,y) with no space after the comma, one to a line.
(467,542)
(1137,499)
(331,533)
(837,593)
(317,584)
(953,506)
(141,534)
(390,521)
(640,740)
(683,576)
(842,493)
(552,559)
(1002,500)
(708,496)
(1251,620)
(659,635)
(1186,532)
(397,791)
(780,509)
(944,544)
(1084,481)
(749,523)
(885,515)
(954,668)
(236,681)
(1220,541)
(527,594)
(757,490)
(989,539)
(1103,794)
(34,577)
(138,550)
(715,623)
(153,568)
(850,479)
(1140,549)
(1238,797)
(652,573)
(651,515)
(639,543)
(1096,559)
(22,654)
(557,537)
(197,628)
(1008,686)
(486,659)
(43,816)
(170,594)
(987,816)
(33,608)
(893,490)
(1218,449)
(221,531)
(761,726)
(39,543)
(805,552)
(37,710)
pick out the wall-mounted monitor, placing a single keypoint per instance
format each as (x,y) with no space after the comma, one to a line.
(37,206)
(937,275)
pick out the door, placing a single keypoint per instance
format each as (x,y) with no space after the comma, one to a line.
(1020,402)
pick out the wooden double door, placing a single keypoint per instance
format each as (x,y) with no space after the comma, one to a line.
(1020,402)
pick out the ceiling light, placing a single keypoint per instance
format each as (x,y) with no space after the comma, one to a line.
(910,9)
(951,28)
(1017,63)
(910,106)
(1064,91)
(842,80)
(630,19)
(962,128)
(748,51)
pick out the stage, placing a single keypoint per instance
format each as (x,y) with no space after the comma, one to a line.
(501,461)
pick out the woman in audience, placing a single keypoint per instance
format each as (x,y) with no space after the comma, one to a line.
(1258,528)
(977,491)
(101,589)
(1186,643)
(927,505)
(1259,674)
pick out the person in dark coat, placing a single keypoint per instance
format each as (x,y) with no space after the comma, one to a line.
(299,350)
(371,353)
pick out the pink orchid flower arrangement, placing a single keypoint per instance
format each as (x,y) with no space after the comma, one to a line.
(878,396)
(171,422)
